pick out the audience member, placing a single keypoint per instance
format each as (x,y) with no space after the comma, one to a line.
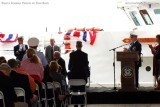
(61,62)
(2,60)
(53,73)
(17,66)
(6,85)
(21,80)
(33,66)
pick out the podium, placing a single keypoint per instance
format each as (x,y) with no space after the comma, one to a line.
(127,70)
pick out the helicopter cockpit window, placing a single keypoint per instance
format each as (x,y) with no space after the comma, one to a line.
(157,12)
(136,18)
(147,19)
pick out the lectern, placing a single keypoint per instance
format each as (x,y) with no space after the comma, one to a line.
(127,70)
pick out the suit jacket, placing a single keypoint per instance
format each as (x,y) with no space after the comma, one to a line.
(49,52)
(62,63)
(20,80)
(78,65)
(7,88)
(136,46)
(20,54)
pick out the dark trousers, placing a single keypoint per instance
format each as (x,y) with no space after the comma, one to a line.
(137,76)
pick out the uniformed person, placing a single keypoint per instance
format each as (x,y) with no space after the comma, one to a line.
(33,43)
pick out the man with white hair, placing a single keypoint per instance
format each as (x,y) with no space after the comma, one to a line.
(136,46)
(50,49)
(61,62)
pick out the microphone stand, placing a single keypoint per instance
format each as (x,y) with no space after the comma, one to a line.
(114,60)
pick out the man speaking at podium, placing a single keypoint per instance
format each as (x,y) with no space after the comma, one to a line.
(135,45)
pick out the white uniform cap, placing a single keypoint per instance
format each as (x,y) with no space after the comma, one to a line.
(133,35)
(33,41)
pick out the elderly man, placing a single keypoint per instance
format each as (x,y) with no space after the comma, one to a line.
(61,62)
(33,43)
(50,49)
(135,45)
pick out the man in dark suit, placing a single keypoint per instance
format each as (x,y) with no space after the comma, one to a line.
(78,66)
(61,62)
(6,86)
(50,49)
(20,49)
(78,63)
(136,46)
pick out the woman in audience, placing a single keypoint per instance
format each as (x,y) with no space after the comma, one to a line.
(53,73)
(33,66)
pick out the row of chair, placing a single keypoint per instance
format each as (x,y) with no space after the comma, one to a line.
(20,92)
(52,85)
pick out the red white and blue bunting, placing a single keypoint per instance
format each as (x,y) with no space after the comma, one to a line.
(8,37)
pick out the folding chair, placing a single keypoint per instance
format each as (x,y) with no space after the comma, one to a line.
(20,104)
(64,84)
(20,92)
(88,82)
(44,98)
(57,85)
(50,86)
(2,97)
(77,82)
(38,95)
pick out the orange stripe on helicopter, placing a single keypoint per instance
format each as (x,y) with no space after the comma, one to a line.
(142,40)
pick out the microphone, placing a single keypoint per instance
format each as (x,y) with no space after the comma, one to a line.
(119,47)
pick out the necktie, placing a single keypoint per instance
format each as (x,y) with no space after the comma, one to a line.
(52,52)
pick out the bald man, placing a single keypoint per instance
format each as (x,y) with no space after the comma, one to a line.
(61,62)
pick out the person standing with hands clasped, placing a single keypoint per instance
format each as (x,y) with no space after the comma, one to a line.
(20,49)
(50,49)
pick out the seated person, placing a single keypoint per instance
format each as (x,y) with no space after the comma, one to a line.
(2,60)
(21,80)
(53,73)
(6,85)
